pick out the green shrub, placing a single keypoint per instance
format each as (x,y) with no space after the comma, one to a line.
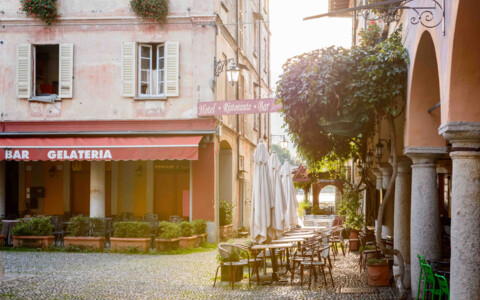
(79,226)
(34,227)
(351,209)
(98,226)
(167,230)
(186,229)
(131,230)
(199,226)
(225,213)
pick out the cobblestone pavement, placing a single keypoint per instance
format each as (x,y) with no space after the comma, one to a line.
(59,275)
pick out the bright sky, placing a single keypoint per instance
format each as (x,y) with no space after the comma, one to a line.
(292,36)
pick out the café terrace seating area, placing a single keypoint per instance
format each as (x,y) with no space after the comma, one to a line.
(324,257)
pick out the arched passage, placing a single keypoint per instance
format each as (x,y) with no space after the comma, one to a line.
(225,172)
(464,87)
(321,184)
(422,125)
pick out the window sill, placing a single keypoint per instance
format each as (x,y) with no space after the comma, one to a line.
(155,98)
(45,99)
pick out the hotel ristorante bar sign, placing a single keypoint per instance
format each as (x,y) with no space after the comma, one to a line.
(237,107)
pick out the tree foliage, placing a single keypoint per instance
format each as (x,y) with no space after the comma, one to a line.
(283,154)
(332,97)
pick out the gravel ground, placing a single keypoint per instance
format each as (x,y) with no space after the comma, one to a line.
(59,275)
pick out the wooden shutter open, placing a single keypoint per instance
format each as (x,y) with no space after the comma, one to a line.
(171,68)
(24,71)
(128,69)
(65,70)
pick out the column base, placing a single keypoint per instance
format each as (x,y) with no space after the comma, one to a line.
(406,277)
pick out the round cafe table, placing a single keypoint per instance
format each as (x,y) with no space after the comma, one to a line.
(259,248)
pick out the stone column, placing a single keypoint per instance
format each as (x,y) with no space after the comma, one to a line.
(97,189)
(425,215)
(401,235)
(378,177)
(3,202)
(465,227)
(388,216)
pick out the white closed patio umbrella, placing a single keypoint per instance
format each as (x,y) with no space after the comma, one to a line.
(291,216)
(261,218)
(280,205)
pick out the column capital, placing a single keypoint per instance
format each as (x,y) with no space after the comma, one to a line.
(404,165)
(461,134)
(425,155)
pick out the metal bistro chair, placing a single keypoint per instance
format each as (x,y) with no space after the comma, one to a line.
(58,231)
(175,219)
(421,276)
(254,261)
(444,290)
(152,220)
(227,251)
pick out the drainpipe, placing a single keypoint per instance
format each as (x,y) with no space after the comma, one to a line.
(237,93)
(259,68)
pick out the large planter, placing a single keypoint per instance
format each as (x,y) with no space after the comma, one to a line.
(166,244)
(225,272)
(2,238)
(187,242)
(378,274)
(354,241)
(201,239)
(43,242)
(226,232)
(85,242)
(121,244)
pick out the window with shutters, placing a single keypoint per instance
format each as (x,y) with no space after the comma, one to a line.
(150,71)
(44,72)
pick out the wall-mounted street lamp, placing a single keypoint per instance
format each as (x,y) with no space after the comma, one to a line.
(233,72)
(283,141)
(379,148)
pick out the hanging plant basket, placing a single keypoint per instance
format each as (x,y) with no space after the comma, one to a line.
(45,10)
(151,10)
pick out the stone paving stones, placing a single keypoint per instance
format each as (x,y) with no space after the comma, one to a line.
(59,275)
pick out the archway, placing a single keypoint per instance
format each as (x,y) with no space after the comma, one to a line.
(225,172)
(464,87)
(321,184)
(423,119)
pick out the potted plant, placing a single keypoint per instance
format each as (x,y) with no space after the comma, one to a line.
(45,10)
(168,234)
(354,219)
(35,233)
(151,10)
(226,227)
(225,269)
(81,235)
(378,272)
(200,229)
(187,239)
(128,235)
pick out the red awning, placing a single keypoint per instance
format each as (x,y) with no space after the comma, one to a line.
(100,148)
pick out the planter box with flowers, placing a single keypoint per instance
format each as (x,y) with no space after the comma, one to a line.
(130,235)
(45,10)
(83,233)
(200,230)
(168,234)
(151,10)
(187,239)
(35,233)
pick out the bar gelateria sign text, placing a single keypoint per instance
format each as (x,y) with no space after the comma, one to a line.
(237,107)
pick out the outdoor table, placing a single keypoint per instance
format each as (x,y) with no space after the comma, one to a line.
(272,248)
(8,225)
(302,236)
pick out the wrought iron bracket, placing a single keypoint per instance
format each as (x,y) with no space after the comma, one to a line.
(219,65)
(428,16)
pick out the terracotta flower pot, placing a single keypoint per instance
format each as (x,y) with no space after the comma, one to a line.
(187,242)
(43,242)
(85,242)
(121,244)
(378,274)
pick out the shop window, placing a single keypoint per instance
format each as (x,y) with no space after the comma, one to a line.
(150,71)
(44,72)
